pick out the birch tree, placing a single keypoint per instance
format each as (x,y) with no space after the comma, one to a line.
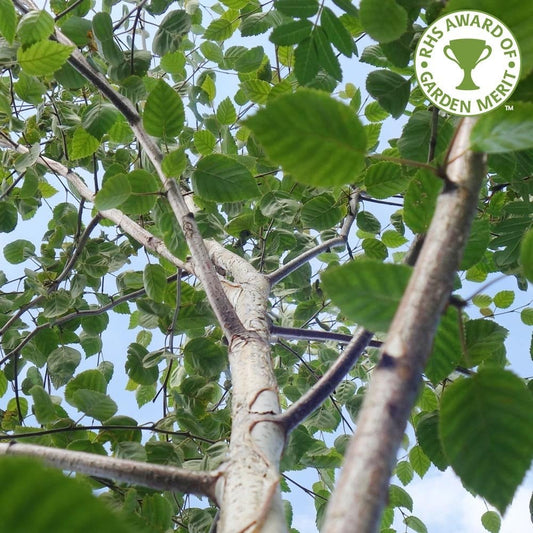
(208,182)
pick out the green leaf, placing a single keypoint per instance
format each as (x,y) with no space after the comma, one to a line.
(390,89)
(174,163)
(526,255)
(323,144)
(368,222)
(420,200)
(368,292)
(477,244)
(155,282)
(414,523)
(256,90)
(485,426)
(8,20)
(484,340)
(297,8)
(306,63)
(135,368)
(164,114)
(419,460)
(171,31)
(414,142)
(398,497)
(374,249)
(57,303)
(447,350)
(62,364)
(94,404)
(219,30)
(321,212)
(383,20)
(504,299)
(114,192)
(244,60)
(30,89)
(89,380)
(60,504)
(326,57)
(291,33)
(144,192)
(43,407)
(491,521)
(35,26)
(43,58)
(336,32)
(427,434)
(384,179)
(204,141)
(83,144)
(8,217)
(223,179)
(392,239)
(501,131)
(18,251)
(99,119)
(103,33)
(404,471)
(226,113)
(526,315)
(203,357)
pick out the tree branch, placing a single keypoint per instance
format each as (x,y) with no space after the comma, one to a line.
(155,476)
(134,230)
(321,390)
(203,268)
(361,492)
(300,334)
(282,272)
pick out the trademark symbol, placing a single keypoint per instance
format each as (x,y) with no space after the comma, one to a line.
(509,107)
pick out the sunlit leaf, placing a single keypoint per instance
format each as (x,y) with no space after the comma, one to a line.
(163,113)
(383,20)
(367,291)
(43,57)
(223,179)
(323,142)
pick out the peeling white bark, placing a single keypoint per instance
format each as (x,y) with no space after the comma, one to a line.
(251,499)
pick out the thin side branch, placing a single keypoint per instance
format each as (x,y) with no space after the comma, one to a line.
(134,230)
(299,334)
(154,476)
(321,390)
(287,269)
(203,267)
(361,492)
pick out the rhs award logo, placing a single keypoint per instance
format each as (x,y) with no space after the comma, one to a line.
(467,63)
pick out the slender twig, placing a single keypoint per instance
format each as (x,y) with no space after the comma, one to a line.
(134,230)
(77,252)
(288,268)
(76,314)
(152,428)
(155,476)
(300,334)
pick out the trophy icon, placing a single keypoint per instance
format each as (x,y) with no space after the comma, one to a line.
(467,53)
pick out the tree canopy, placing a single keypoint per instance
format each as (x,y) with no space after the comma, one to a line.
(208,184)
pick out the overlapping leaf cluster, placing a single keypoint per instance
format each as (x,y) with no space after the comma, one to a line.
(245,101)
